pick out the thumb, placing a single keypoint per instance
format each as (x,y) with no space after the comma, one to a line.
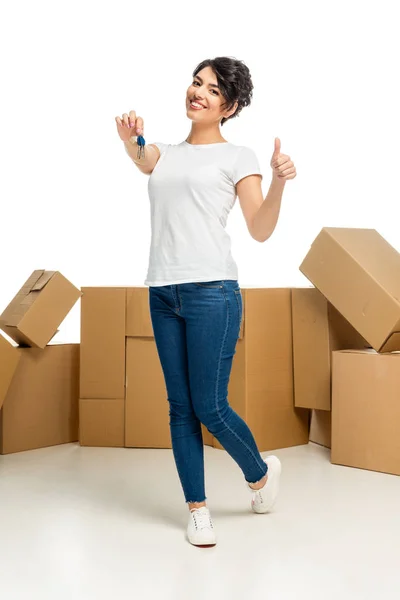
(277,149)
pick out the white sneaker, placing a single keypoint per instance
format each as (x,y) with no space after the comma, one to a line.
(200,530)
(264,499)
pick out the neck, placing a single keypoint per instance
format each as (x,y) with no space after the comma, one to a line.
(199,134)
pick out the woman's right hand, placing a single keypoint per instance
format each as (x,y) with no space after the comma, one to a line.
(129,125)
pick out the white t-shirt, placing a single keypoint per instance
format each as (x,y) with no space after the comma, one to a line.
(191,192)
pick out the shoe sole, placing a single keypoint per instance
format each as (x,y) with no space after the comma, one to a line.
(205,545)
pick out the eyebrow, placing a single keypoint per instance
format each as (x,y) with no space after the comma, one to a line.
(210,84)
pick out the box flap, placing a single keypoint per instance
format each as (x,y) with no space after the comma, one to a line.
(43,280)
(392,343)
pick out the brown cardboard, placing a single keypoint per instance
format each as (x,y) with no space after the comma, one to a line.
(102,343)
(9,358)
(147,407)
(366,410)
(41,405)
(318,330)
(102,422)
(359,273)
(320,427)
(261,386)
(261,383)
(34,314)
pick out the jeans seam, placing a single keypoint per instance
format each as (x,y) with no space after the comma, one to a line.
(237,294)
(178,289)
(216,392)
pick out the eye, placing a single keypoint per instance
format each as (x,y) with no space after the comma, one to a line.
(197,82)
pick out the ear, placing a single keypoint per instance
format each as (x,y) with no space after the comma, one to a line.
(232,111)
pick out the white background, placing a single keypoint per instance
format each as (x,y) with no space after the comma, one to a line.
(325,78)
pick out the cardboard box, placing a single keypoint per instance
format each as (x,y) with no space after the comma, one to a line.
(320,427)
(261,387)
(41,405)
(147,407)
(318,330)
(102,360)
(9,358)
(102,422)
(34,314)
(261,383)
(366,410)
(359,273)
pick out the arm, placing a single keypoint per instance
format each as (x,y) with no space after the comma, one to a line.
(152,154)
(261,214)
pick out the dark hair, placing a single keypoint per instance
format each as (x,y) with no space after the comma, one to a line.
(234,81)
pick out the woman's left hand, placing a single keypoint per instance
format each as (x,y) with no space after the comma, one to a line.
(282,166)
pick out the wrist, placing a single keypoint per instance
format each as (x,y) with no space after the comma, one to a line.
(276,180)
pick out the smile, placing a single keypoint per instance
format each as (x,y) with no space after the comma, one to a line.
(196,106)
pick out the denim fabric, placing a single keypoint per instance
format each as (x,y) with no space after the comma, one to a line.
(196,328)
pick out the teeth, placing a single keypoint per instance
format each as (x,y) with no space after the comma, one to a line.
(196,105)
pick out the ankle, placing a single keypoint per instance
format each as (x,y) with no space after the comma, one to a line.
(194,505)
(259,484)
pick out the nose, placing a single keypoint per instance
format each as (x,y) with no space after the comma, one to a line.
(198,92)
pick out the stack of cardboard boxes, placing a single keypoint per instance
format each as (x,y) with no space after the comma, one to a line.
(123,400)
(331,351)
(346,342)
(38,382)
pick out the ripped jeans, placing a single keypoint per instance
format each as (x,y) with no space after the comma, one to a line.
(196,328)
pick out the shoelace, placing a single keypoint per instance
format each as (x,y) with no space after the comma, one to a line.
(257,496)
(202,519)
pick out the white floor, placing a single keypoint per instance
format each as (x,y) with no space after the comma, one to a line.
(90,523)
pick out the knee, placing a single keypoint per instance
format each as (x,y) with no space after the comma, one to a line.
(181,411)
(214,418)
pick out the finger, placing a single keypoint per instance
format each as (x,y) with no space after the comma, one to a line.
(132,118)
(139,125)
(118,121)
(281,160)
(286,172)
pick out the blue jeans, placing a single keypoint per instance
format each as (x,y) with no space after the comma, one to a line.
(196,328)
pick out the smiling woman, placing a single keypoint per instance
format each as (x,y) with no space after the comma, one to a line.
(194,295)
(223,86)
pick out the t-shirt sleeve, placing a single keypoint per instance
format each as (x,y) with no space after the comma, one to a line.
(246,164)
(161,146)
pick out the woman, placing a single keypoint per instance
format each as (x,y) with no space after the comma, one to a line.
(195,299)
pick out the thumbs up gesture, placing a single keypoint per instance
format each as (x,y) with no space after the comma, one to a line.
(282,166)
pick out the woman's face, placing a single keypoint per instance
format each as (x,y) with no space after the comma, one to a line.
(204,91)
